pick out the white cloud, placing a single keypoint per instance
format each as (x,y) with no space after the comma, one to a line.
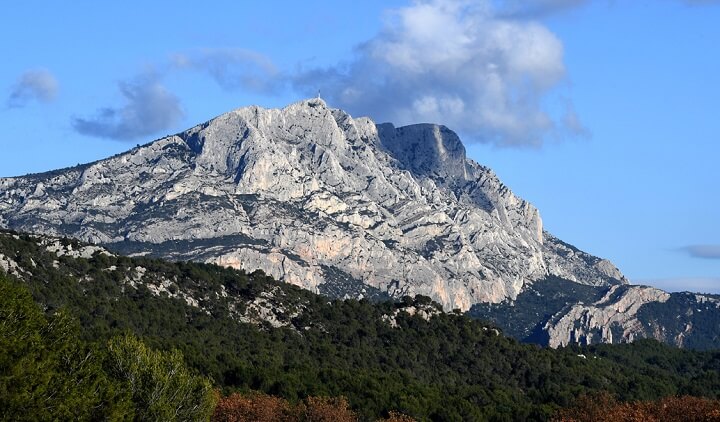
(457,63)
(149,109)
(33,85)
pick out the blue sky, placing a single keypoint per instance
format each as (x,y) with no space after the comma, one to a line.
(604,114)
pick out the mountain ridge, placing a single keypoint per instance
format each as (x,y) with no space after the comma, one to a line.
(432,222)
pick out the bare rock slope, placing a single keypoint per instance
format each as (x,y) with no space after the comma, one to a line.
(312,196)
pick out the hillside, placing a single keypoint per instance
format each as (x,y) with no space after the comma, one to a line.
(250,332)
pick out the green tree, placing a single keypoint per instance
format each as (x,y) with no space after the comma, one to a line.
(46,373)
(160,385)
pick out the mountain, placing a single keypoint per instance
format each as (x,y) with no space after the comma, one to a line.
(313,197)
(250,332)
(340,206)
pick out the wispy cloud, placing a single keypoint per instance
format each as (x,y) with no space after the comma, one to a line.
(685,284)
(232,68)
(458,63)
(150,108)
(536,8)
(540,8)
(702,251)
(33,85)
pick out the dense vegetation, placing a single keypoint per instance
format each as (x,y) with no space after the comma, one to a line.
(450,367)
(700,316)
(48,373)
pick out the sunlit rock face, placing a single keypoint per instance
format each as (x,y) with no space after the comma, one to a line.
(312,196)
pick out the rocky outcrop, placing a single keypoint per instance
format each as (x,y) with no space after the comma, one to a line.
(612,319)
(314,197)
(558,312)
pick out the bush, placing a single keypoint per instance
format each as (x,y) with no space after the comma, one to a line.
(605,408)
(259,407)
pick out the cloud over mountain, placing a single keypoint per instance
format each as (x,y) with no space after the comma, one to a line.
(489,69)
(149,108)
(231,68)
(459,63)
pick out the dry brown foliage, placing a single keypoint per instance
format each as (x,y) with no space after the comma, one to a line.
(328,409)
(604,408)
(257,407)
(253,407)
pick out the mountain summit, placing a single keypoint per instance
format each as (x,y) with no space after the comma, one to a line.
(312,196)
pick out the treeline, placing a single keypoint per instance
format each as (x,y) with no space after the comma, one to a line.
(449,367)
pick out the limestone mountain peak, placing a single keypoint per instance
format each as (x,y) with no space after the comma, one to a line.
(315,197)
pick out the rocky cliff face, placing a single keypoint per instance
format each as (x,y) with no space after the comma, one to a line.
(558,312)
(612,319)
(627,313)
(314,197)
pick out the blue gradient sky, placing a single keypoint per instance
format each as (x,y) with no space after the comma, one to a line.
(613,107)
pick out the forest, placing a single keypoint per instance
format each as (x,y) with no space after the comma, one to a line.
(87,339)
